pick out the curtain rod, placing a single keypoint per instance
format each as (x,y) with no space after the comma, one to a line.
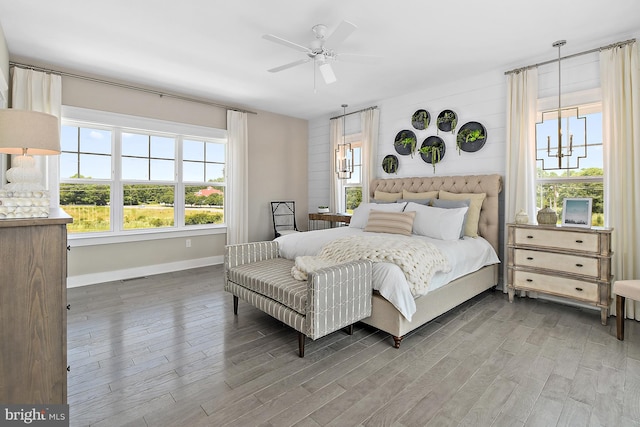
(551,61)
(126,86)
(354,112)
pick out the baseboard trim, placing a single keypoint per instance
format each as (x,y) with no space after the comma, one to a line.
(147,270)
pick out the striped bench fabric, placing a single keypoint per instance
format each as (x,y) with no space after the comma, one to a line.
(330,299)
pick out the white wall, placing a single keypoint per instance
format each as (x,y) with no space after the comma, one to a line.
(277,170)
(480,98)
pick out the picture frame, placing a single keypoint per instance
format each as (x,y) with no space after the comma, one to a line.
(576,212)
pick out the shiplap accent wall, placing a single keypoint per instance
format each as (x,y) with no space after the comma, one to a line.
(480,98)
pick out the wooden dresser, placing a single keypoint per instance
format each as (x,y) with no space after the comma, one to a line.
(33,310)
(572,263)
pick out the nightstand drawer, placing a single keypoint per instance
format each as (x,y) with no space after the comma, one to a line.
(558,262)
(560,286)
(557,238)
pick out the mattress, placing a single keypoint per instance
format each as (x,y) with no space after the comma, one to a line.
(465,256)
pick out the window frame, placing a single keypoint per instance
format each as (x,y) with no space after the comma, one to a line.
(588,102)
(118,123)
(356,141)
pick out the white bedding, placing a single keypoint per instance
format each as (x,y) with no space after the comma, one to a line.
(464,255)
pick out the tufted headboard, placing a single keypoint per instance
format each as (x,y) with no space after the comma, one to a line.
(488,227)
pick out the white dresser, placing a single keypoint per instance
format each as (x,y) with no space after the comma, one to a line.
(567,262)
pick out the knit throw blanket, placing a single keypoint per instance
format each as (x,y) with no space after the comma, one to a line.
(419,260)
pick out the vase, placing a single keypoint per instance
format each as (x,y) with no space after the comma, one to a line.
(522,217)
(547,216)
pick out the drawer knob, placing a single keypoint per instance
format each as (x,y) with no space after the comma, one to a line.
(530,258)
(529,280)
(579,241)
(579,265)
(529,237)
(579,289)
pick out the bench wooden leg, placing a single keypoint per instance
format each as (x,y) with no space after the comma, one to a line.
(235,305)
(301,338)
(620,317)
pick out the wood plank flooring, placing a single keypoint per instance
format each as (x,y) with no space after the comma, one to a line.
(167,350)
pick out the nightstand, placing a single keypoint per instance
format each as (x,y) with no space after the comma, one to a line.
(320,221)
(568,262)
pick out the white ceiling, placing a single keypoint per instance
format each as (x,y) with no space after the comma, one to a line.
(213,49)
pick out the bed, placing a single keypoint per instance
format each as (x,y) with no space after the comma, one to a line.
(473,262)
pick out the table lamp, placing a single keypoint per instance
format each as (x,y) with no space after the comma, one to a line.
(25,133)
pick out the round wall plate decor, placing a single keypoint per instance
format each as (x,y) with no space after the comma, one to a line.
(405,142)
(420,119)
(433,141)
(447,121)
(471,137)
(390,163)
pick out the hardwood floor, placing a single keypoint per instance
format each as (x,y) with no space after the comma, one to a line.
(166,350)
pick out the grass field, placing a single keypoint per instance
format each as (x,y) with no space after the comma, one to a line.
(90,219)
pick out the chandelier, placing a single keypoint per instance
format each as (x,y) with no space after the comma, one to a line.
(344,152)
(565,130)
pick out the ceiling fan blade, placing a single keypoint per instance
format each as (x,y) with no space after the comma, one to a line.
(286,43)
(344,30)
(289,65)
(355,57)
(327,73)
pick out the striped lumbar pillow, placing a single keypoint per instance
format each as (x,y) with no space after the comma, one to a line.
(390,222)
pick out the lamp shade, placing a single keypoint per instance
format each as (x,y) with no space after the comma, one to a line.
(36,132)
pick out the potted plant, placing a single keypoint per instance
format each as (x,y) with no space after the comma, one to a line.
(447,121)
(432,153)
(405,143)
(390,164)
(420,119)
(468,135)
(323,209)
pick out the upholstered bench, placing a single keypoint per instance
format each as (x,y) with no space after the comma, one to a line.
(332,298)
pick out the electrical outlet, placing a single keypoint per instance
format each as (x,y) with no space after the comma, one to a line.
(188,243)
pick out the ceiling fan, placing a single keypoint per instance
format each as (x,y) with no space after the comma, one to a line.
(320,49)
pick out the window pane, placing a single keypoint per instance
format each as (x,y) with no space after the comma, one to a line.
(148,206)
(162,170)
(134,144)
(135,168)
(547,140)
(162,147)
(68,165)
(193,171)
(215,152)
(204,205)
(95,166)
(69,138)
(215,172)
(88,204)
(95,141)
(353,198)
(553,194)
(192,150)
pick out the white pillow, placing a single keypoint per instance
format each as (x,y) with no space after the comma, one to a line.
(361,213)
(438,223)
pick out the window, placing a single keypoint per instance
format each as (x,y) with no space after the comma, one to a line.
(119,179)
(352,187)
(553,186)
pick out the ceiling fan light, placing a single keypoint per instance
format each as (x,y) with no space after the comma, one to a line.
(327,73)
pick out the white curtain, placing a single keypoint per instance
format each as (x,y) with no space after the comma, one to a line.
(620,81)
(334,186)
(38,91)
(522,98)
(369,120)
(237,203)
(522,102)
